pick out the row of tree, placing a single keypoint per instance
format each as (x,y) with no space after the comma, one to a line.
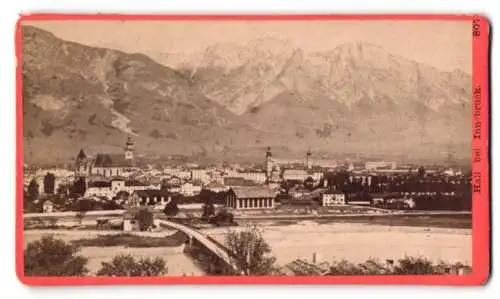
(49,182)
(53,257)
(383,183)
(75,190)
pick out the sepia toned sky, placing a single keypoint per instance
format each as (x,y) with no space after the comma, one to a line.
(446,45)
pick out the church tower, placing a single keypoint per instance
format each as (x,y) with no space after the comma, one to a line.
(81,165)
(308,160)
(269,164)
(129,149)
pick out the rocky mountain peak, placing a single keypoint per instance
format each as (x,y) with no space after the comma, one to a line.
(232,99)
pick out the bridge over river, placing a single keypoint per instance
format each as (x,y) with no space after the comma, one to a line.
(213,247)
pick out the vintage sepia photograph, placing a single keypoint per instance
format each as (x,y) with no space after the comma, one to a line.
(178,148)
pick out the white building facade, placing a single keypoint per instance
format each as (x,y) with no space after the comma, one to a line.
(329,199)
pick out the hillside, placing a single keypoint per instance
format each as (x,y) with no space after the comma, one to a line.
(79,96)
(231,102)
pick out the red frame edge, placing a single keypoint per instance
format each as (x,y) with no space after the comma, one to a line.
(481,200)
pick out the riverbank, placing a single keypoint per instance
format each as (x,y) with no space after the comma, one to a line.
(357,242)
(178,263)
(443,220)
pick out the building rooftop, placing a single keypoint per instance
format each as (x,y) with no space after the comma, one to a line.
(135,183)
(237,181)
(253,192)
(251,170)
(215,185)
(111,160)
(153,193)
(99,184)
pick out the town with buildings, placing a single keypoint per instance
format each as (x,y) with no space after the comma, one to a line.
(115,177)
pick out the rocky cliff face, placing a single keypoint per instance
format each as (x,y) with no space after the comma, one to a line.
(230,101)
(356,97)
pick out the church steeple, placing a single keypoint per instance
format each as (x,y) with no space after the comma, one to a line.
(129,149)
(269,165)
(81,165)
(81,156)
(308,160)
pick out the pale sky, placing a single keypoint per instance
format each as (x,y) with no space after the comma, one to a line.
(446,45)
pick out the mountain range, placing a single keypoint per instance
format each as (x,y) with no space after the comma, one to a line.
(233,101)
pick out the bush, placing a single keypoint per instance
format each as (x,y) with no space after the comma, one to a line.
(126,265)
(208,210)
(415,266)
(171,208)
(404,266)
(223,218)
(53,257)
(145,218)
(84,205)
(344,268)
(370,267)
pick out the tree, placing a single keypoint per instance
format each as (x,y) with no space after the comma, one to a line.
(126,265)
(223,217)
(208,208)
(53,257)
(171,208)
(309,183)
(62,190)
(207,196)
(164,184)
(341,179)
(250,252)
(285,187)
(84,205)
(49,182)
(365,194)
(145,218)
(33,190)
(80,215)
(421,171)
(79,187)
